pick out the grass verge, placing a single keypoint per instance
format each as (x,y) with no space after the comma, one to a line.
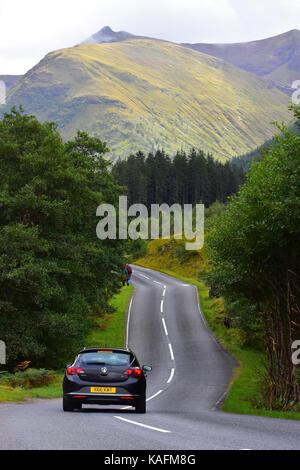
(109,331)
(245,387)
(8,394)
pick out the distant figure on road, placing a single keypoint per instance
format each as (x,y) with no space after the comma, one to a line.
(127,275)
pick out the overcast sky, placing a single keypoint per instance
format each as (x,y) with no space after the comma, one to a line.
(31,28)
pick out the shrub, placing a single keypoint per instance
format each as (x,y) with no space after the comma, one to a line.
(31,378)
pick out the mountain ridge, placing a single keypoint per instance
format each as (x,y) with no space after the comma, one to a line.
(142,94)
(10,80)
(106,34)
(276,58)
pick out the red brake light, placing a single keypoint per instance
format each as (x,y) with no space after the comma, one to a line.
(73,371)
(133,372)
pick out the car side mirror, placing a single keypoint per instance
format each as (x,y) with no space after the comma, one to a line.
(147,368)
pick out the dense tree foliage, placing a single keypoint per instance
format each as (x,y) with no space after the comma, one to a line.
(255,155)
(54,272)
(254,249)
(184,179)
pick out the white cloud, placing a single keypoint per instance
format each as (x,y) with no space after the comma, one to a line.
(29,29)
(264,18)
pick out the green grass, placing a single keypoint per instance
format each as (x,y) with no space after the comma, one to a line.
(245,387)
(110,331)
(8,394)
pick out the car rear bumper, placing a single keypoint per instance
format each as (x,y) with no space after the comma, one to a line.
(101,399)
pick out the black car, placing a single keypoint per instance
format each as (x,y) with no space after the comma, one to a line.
(105,376)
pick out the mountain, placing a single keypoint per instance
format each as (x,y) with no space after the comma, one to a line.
(257,154)
(106,34)
(276,58)
(146,94)
(10,80)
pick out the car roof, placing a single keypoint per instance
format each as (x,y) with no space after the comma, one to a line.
(120,350)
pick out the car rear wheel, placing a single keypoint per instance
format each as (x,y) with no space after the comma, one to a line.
(67,406)
(140,405)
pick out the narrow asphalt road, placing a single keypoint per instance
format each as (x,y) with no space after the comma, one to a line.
(190,378)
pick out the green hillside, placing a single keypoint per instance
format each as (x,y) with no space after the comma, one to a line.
(147,94)
(276,58)
(257,154)
(10,80)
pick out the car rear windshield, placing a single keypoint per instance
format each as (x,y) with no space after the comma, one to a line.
(109,358)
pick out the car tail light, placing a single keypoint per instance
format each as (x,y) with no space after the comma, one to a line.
(74,371)
(71,371)
(133,372)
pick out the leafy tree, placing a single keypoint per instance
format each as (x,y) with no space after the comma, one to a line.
(254,249)
(54,273)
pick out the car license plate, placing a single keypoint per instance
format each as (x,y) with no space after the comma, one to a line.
(103,390)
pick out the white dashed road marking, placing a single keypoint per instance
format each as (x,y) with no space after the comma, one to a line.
(146,277)
(165,326)
(142,425)
(171,354)
(171,351)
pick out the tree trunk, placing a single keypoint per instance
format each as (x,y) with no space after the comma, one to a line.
(281,319)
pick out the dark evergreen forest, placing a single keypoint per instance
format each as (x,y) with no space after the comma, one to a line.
(186,178)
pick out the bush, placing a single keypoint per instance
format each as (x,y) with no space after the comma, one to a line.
(31,378)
